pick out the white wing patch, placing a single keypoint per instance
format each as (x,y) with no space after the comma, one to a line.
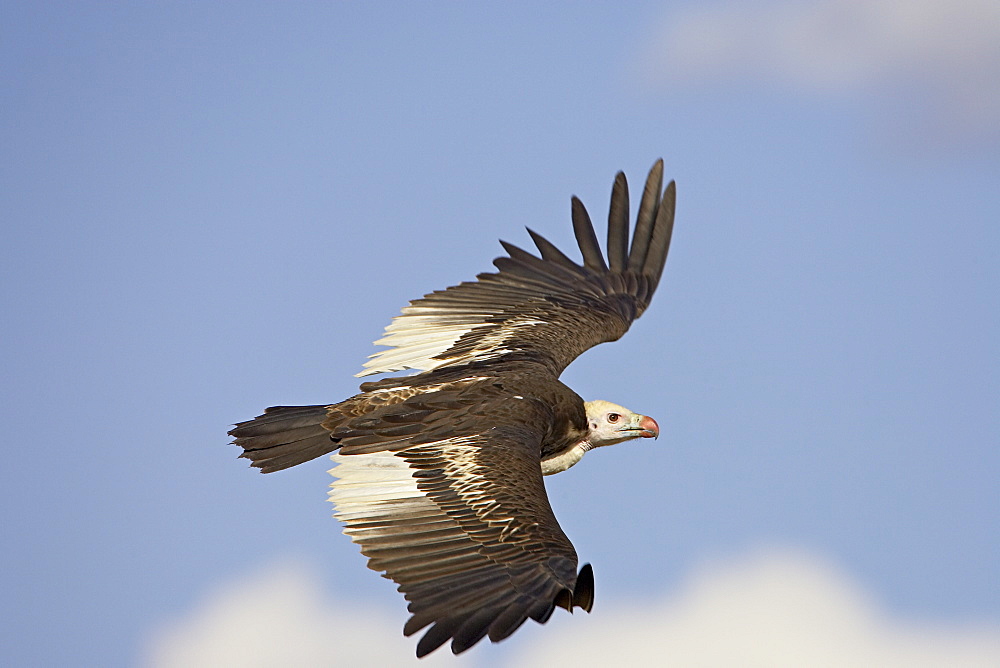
(371,486)
(416,337)
(422,333)
(377,498)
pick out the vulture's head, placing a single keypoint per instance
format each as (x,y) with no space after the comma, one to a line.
(611,423)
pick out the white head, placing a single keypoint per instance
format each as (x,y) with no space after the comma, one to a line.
(610,423)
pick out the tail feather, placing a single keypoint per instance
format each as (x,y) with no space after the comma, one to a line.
(284,436)
(282,418)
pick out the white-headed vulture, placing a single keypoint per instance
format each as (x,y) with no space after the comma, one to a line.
(439,474)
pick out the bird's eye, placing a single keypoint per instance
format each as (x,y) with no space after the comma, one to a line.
(614,417)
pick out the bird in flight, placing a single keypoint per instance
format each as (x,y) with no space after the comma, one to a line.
(439,474)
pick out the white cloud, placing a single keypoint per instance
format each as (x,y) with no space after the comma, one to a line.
(941,57)
(277,617)
(775,609)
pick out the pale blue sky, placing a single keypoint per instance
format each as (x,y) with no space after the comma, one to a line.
(213,208)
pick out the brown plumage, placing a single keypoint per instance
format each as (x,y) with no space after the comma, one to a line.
(440,473)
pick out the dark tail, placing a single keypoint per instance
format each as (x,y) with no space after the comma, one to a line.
(284,436)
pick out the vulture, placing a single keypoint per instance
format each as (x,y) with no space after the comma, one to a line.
(439,473)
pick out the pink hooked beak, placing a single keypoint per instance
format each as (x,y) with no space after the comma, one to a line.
(649,427)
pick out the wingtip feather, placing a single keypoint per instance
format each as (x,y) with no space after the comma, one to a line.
(663,229)
(583,592)
(550,253)
(618,225)
(586,238)
(648,207)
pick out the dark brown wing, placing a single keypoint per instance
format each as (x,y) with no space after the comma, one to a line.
(461,523)
(549,309)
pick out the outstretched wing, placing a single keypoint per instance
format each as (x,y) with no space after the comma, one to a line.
(462,523)
(549,309)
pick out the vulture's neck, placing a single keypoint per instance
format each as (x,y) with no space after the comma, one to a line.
(566,458)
